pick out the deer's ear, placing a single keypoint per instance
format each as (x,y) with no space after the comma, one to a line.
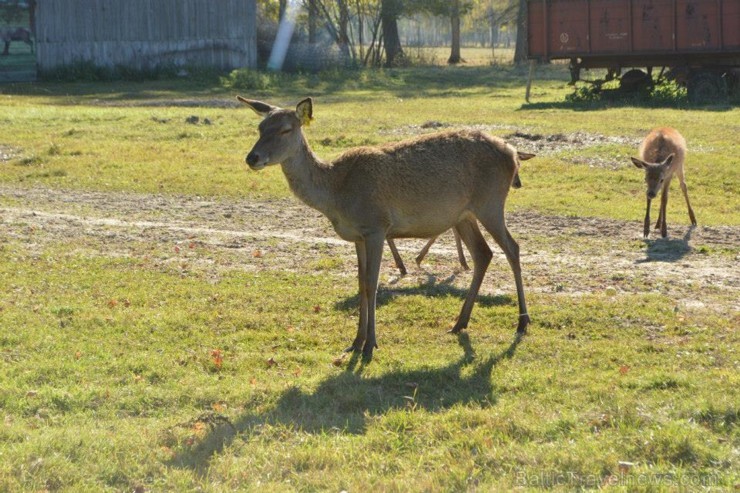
(524,156)
(304,111)
(669,160)
(262,109)
(640,164)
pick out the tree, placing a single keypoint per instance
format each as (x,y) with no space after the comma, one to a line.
(453,9)
(520,53)
(455,56)
(336,14)
(390,11)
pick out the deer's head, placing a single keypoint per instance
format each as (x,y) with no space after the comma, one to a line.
(655,174)
(280,132)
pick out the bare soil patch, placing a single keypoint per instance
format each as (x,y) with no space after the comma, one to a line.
(562,256)
(540,144)
(8,152)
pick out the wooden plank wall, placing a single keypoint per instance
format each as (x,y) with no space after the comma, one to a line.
(145,34)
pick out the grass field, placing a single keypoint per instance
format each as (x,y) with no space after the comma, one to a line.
(170,321)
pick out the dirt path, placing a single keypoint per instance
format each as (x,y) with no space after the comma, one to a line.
(565,255)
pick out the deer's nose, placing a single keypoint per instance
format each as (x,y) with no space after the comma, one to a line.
(252,158)
(651,194)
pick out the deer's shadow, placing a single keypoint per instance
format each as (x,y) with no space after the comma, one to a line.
(668,249)
(346,401)
(431,288)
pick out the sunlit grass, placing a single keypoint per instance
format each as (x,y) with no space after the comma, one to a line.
(150,371)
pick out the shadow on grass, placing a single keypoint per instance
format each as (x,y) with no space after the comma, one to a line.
(344,402)
(626,102)
(431,288)
(338,85)
(668,249)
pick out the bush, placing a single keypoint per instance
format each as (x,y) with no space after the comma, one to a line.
(662,93)
(250,80)
(88,71)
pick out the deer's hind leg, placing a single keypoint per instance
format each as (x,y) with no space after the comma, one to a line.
(685,191)
(396,257)
(425,250)
(460,252)
(481,253)
(495,223)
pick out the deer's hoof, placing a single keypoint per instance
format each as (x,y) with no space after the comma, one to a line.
(356,347)
(456,329)
(367,351)
(521,328)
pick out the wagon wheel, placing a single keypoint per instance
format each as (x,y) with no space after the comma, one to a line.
(706,87)
(634,80)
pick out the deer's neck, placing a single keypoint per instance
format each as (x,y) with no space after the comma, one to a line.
(310,179)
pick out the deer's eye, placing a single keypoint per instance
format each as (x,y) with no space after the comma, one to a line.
(285,130)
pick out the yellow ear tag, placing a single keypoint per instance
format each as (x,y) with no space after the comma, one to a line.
(304,114)
(305,119)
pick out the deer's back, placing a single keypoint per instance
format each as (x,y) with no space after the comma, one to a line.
(458,160)
(662,142)
(421,187)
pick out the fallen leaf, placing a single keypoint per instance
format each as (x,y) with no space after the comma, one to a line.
(338,361)
(78,355)
(218,358)
(112,303)
(316,309)
(257,254)
(297,372)
(177,249)
(624,369)
(271,362)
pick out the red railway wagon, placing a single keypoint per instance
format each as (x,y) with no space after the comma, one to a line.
(698,40)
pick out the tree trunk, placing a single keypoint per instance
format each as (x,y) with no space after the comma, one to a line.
(520,52)
(313,14)
(343,40)
(389,13)
(455,51)
(282,8)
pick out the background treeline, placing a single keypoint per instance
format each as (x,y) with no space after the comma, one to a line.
(386,32)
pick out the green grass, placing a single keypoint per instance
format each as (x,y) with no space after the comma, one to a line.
(149,371)
(110,358)
(102,137)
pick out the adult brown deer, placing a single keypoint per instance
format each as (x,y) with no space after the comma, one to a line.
(662,154)
(415,188)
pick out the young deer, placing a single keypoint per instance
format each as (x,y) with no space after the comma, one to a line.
(662,155)
(399,261)
(416,188)
(423,253)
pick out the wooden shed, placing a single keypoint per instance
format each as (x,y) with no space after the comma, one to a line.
(145,34)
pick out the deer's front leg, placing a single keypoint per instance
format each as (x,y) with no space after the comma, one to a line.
(374,255)
(359,341)
(646,228)
(663,205)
